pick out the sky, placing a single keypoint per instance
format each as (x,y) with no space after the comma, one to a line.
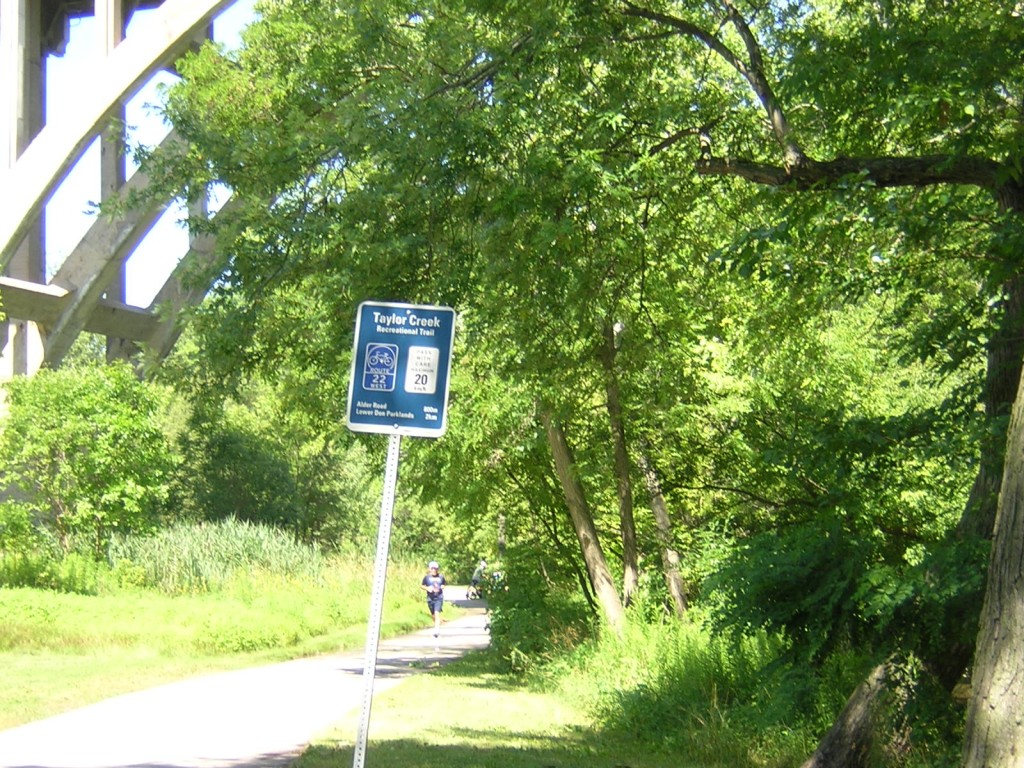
(70,211)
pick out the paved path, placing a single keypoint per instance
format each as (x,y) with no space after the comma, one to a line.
(252,718)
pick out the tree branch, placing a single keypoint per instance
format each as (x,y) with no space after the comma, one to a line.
(752,70)
(763,501)
(793,153)
(684,27)
(880,171)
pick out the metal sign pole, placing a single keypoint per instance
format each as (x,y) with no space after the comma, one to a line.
(380,572)
(401,365)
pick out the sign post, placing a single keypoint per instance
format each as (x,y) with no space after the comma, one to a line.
(380,570)
(401,365)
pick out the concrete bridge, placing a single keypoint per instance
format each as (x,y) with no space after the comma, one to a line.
(87,291)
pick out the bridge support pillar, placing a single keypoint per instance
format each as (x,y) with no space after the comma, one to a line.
(22,56)
(111,23)
(45,309)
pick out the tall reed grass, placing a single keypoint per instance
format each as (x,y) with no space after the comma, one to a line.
(255,611)
(204,557)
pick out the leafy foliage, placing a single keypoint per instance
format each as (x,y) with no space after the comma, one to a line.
(800,366)
(518,600)
(86,454)
(262,452)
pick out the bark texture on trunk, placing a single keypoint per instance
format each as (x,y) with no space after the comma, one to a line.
(851,742)
(995,723)
(1002,375)
(994,736)
(583,523)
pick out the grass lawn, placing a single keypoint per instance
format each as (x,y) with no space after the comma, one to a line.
(468,716)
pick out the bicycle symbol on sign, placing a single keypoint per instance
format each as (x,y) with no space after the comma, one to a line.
(381,367)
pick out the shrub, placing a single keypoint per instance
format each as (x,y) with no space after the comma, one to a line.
(532,621)
(82,448)
(18,536)
(58,571)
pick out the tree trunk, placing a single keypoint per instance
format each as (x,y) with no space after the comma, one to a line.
(669,556)
(583,523)
(1002,375)
(624,486)
(851,742)
(994,735)
(995,729)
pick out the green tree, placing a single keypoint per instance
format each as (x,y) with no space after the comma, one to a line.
(554,169)
(936,127)
(84,451)
(265,452)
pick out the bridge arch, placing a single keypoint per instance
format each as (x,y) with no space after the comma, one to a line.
(87,292)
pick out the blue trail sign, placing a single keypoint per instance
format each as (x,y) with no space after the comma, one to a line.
(400,369)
